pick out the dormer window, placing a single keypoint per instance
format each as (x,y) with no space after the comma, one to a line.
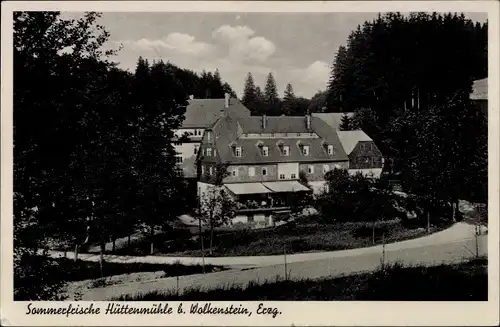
(305,150)
(208,136)
(265,151)
(238,151)
(209,152)
(286,150)
(330,150)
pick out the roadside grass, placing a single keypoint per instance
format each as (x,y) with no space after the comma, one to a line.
(305,235)
(70,270)
(466,281)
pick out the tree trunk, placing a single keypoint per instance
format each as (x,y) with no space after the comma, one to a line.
(101,257)
(76,252)
(128,240)
(211,237)
(373,232)
(114,245)
(428,222)
(152,241)
(453,218)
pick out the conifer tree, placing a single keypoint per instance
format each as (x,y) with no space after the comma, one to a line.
(271,97)
(228,89)
(337,76)
(345,123)
(289,101)
(249,95)
(249,90)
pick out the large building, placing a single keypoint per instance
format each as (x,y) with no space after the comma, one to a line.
(200,114)
(264,157)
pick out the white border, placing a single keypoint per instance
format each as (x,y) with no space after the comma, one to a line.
(296,313)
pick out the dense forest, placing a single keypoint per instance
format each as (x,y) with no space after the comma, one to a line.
(408,80)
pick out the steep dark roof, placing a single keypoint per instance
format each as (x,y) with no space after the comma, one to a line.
(283,124)
(201,113)
(333,119)
(349,139)
(229,129)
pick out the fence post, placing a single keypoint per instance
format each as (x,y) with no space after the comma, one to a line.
(477,240)
(383,251)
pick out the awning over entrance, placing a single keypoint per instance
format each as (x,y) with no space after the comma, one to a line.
(247,188)
(285,186)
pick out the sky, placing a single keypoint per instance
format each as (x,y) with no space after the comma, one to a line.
(298,48)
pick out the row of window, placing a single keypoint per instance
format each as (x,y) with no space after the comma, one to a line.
(368,160)
(264,171)
(277,134)
(366,146)
(197,132)
(210,170)
(285,150)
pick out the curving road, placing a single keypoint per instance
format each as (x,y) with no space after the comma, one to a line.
(456,233)
(451,245)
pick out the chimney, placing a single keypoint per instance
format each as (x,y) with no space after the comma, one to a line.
(308,120)
(191,97)
(264,121)
(226,100)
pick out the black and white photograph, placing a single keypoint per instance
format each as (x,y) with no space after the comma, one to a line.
(250,156)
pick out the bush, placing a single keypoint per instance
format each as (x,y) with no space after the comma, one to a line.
(168,240)
(36,277)
(356,198)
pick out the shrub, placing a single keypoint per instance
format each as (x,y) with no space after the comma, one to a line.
(356,198)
